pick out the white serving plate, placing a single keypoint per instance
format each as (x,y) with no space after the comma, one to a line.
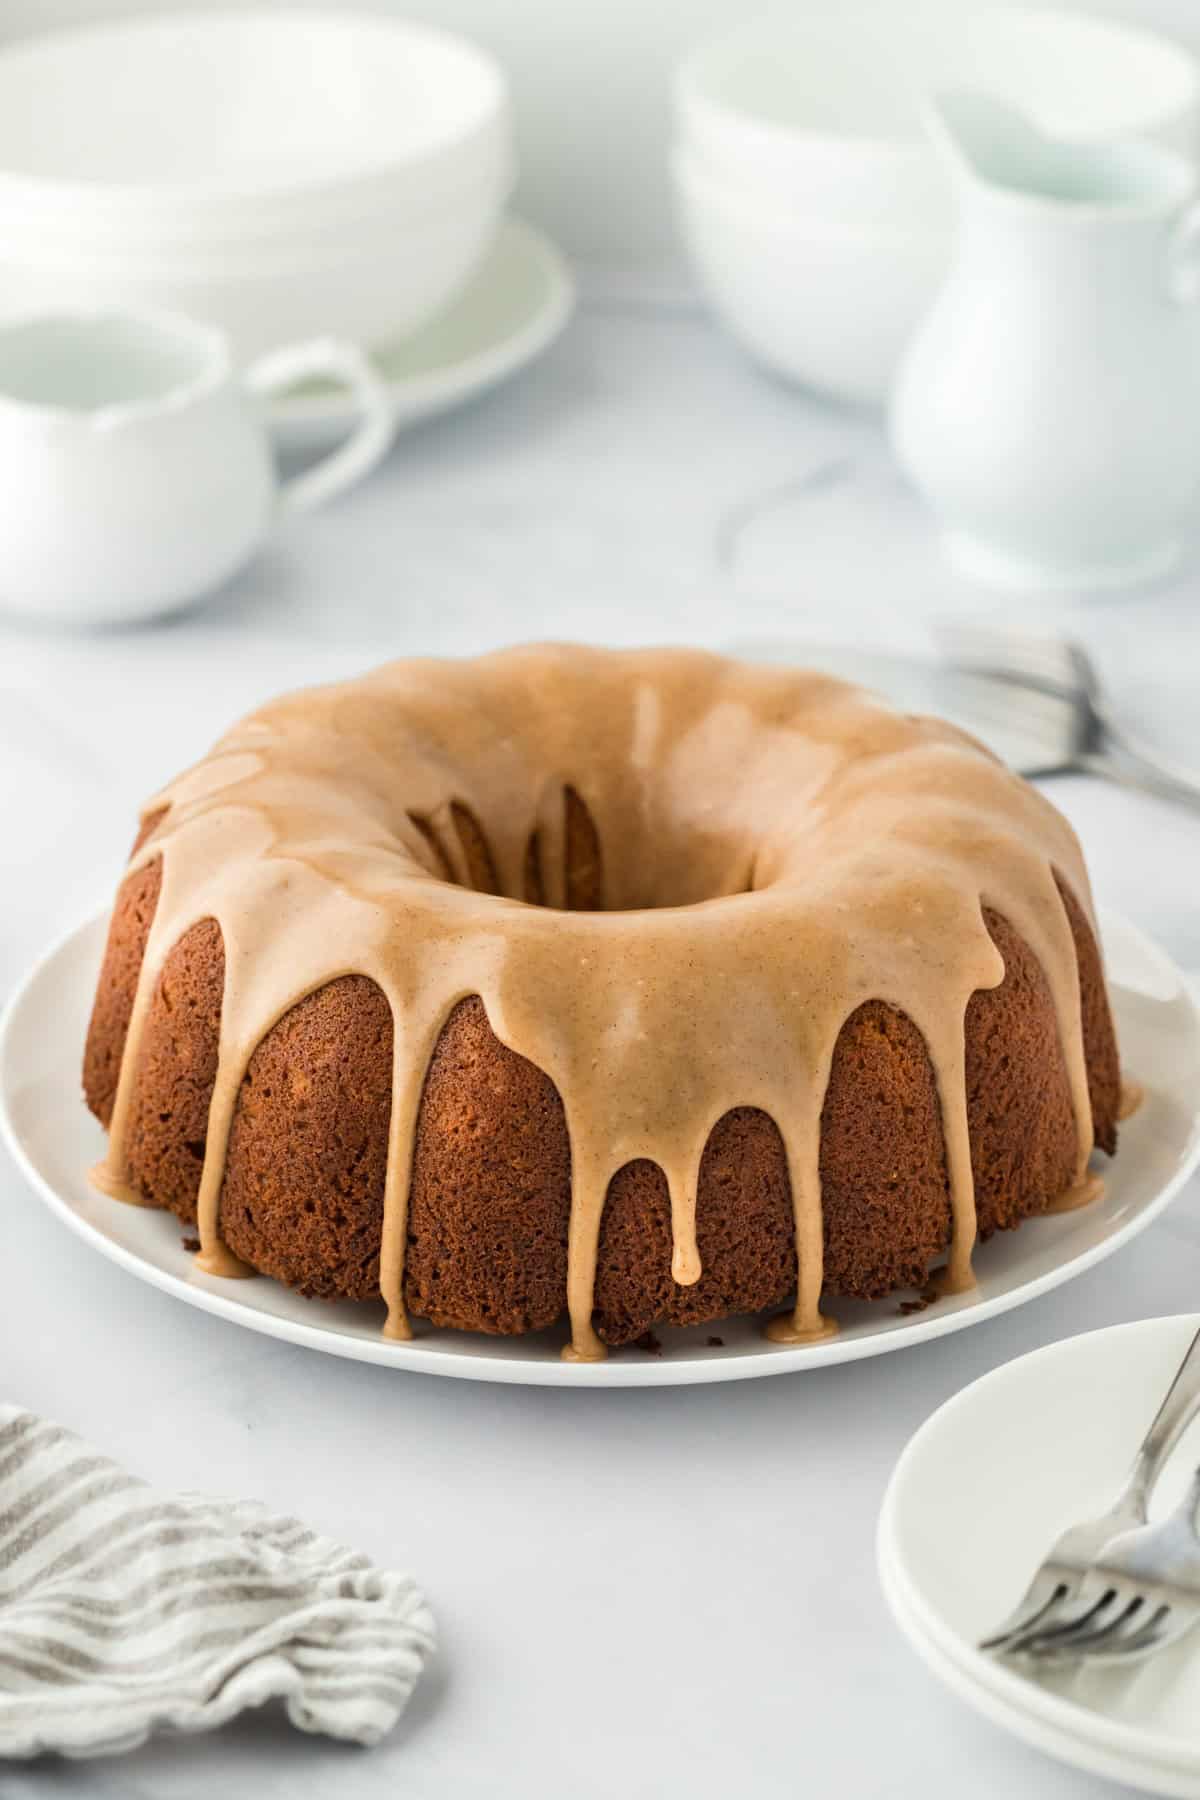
(512,309)
(55,1142)
(977,1498)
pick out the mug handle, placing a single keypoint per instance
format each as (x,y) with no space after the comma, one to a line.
(366,446)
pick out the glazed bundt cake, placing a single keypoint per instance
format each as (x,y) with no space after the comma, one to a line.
(646,987)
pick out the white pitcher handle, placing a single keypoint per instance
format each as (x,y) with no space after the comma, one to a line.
(367,444)
(1183,256)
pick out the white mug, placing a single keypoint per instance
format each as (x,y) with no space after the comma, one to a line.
(136,464)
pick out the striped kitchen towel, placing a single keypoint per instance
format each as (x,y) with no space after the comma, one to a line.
(123,1610)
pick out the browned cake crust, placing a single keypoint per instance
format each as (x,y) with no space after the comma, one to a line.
(489,1208)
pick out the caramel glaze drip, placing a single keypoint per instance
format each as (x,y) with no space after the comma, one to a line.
(1132,1096)
(1080,1193)
(768,849)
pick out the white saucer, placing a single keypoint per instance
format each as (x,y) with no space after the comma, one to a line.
(976,1500)
(55,1141)
(516,305)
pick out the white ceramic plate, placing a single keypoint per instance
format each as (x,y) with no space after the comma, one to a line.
(514,307)
(1005,1710)
(976,1500)
(55,1141)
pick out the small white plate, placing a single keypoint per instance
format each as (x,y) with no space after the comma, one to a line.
(1005,1710)
(55,1141)
(516,305)
(976,1500)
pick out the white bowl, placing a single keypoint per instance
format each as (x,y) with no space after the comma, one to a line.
(97,247)
(822,108)
(381,292)
(181,233)
(278,174)
(826,305)
(210,115)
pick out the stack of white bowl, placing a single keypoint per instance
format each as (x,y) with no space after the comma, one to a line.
(817,220)
(279,174)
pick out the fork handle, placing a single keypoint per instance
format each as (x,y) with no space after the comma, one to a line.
(1179,1408)
(1138,771)
(1117,735)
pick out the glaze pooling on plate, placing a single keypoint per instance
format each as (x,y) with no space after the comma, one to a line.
(772,850)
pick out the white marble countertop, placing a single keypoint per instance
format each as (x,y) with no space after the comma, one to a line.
(640,1593)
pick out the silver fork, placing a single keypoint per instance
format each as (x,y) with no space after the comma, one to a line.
(1080,727)
(1143,1594)
(1057,1582)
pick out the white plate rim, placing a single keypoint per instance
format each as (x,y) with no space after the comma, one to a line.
(1002,1709)
(421,1356)
(983,1674)
(422,397)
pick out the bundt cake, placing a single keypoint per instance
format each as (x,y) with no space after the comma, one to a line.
(651,987)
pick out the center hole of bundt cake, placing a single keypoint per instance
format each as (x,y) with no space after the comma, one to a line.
(460,852)
(564,869)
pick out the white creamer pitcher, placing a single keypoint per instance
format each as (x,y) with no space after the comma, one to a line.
(135,463)
(1049,406)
